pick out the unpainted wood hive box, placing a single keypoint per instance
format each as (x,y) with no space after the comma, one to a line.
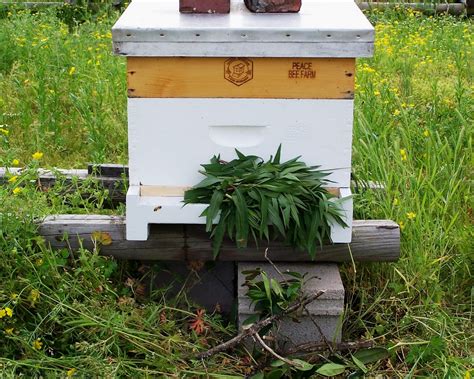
(205,84)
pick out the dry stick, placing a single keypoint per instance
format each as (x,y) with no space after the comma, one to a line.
(272,352)
(255,328)
(323,337)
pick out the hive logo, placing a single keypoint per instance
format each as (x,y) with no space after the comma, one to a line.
(238,70)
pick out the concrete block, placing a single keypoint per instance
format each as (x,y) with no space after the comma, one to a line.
(206,283)
(326,311)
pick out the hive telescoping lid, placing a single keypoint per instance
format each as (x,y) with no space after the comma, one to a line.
(323,28)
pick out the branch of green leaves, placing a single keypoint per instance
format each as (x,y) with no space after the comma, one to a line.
(252,198)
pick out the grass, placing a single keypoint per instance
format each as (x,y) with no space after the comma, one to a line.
(63,94)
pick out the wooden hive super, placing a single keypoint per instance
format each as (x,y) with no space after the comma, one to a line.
(200,85)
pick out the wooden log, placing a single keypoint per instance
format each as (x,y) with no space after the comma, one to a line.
(372,240)
(32,4)
(451,8)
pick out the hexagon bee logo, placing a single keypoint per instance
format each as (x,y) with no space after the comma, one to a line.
(238,70)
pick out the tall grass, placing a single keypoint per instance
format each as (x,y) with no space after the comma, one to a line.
(63,94)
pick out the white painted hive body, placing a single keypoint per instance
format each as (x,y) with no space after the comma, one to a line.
(201,85)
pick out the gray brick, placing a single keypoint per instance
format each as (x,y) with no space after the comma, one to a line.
(326,311)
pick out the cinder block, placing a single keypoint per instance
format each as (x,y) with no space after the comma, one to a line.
(206,283)
(326,311)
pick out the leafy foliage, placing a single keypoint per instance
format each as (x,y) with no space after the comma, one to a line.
(270,296)
(262,199)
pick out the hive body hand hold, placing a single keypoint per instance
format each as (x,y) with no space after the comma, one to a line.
(273,6)
(204,6)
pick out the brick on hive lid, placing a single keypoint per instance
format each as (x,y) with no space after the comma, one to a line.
(204,6)
(273,6)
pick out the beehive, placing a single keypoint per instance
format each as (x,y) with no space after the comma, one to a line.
(201,85)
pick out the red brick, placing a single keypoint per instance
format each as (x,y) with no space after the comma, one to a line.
(204,6)
(273,6)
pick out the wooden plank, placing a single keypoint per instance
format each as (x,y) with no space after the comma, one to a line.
(110,170)
(427,8)
(168,191)
(267,78)
(372,240)
(162,191)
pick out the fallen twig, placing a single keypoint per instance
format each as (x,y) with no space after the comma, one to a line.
(272,352)
(255,328)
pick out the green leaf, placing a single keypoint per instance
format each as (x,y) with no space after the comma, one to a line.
(275,374)
(303,365)
(276,160)
(276,287)
(241,219)
(218,236)
(371,355)
(331,369)
(259,375)
(209,181)
(277,363)
(251,320)
(266,283)
(213,209)
(360,365)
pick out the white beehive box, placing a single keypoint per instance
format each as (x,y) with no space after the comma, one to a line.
(201,85)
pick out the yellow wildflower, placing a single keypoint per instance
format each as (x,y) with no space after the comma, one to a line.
(403,154)
(9,331)
(71,372)
(401,224)
(467,375)
(9,312)
(37,156)
(72,70)
(377,93)
(411,215)
(3,313)
(4,131)
(426,133)
(15,162)
(37,344)
(16,190)
(395,202)
(396,112)
(13,179)
(34,296)
(14,296)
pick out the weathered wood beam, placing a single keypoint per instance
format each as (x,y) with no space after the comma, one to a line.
(32,4)
(117,185)
(451,8)
(372,240)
